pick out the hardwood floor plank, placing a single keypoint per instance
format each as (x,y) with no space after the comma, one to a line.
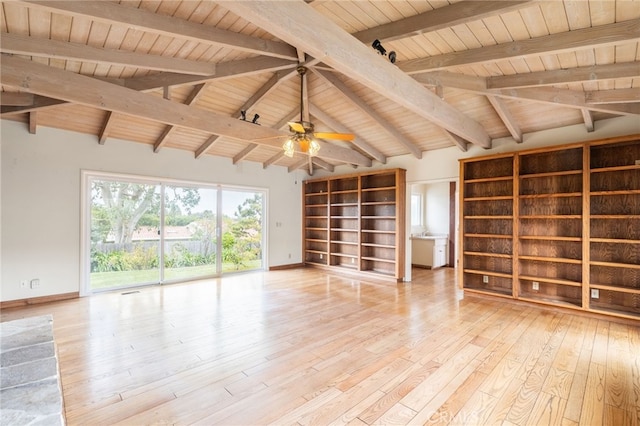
(302,347)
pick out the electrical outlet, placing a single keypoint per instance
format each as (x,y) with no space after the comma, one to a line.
(485,279)
(535,286)
(289,255)
(321,256)
(35,283)
(353,260)
(595,293)
(637,162)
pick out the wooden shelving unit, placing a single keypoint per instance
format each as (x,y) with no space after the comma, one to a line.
(316,223)
(558,226)
(550,225)
(614,244)
(365,222)
(487,197)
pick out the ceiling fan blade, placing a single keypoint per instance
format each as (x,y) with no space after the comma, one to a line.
(296,126)
(338,136)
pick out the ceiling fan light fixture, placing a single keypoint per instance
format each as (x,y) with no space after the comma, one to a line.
(314,147)
(289,148)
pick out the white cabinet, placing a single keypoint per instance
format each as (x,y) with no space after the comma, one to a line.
(429,252)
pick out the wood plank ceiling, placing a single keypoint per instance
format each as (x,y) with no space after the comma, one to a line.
(177,74)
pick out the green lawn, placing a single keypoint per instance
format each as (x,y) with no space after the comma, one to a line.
(104,280)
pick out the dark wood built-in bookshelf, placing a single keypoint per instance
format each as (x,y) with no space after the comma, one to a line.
(356,222)
(558,226)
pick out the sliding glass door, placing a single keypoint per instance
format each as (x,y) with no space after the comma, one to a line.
(241,230)
(124,233)
(190,232)
(141,232)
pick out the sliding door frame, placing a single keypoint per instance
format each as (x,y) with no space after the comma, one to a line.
(87,176)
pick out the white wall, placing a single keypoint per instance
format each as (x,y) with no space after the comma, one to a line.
(437,208)
(40,204)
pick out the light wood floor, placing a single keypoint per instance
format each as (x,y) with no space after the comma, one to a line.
(301,347)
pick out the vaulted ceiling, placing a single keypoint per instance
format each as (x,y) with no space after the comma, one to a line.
(177,74)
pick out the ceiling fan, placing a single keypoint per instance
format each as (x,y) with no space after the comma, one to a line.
(304,135)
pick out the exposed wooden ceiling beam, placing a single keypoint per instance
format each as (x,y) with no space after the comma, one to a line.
(457,141)
(614,96)
(260,94)
(590,37)
(107,124)
(192,98)
(42,79)
(210,142)
(298,164)
(569,98)
(327,42)
(588,120)
(114,13)
(336,126)
(274,159)
(224,70)
(33,122)
(443,17)
(245,153)
(55,49)
(322,164)
(507,118)
(16,99)
(39,102)
(564,76)
(333,80)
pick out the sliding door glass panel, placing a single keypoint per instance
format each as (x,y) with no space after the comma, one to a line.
(242,236)
(190,242)
(124,234)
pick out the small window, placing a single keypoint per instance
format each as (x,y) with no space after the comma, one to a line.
(416,209)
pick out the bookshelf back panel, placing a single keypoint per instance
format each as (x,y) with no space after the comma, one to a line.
(551,184)
(344,197)
(349,249)
(620,180)
(316,245)
(488,208)
(379,224)
(615,228)
(379,238)
(552,270)
(483,169)
(552,161)
(615,155)
(495,284)
(488,189)
(379,195)
(489,226)
(550,291)
(559,249)
(378,180)
(618,204)
(488,245)
(344,184)
(551,206)
(551,227)
(615,277)
(489,264)
(615,253)
(617,302)
(345,236)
